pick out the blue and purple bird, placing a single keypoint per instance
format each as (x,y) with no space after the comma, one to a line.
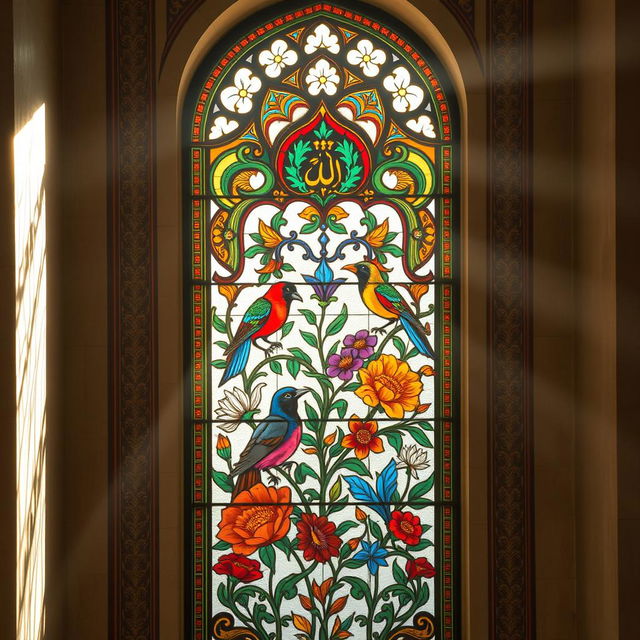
(263,317)
(273,442)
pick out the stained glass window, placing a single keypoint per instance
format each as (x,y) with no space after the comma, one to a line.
(321,287)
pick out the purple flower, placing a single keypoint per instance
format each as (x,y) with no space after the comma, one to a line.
(343,364)
(363,342)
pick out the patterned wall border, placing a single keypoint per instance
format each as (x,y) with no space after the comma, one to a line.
(179,11)
(133,403)
(133,457)
(512,588)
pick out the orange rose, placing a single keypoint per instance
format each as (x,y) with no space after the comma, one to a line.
(260,518)
(390,383)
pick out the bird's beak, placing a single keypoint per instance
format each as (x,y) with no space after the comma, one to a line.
(301,392)
(296,296)
(350,267)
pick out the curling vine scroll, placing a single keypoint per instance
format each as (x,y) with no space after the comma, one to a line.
(321,304)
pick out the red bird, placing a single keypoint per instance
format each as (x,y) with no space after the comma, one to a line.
(263,318)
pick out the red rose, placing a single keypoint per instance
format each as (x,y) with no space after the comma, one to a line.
(405,526)
(240,567)
(420,568)
(316,537)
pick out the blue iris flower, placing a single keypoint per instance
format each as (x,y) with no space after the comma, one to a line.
(374,555)
(323,284)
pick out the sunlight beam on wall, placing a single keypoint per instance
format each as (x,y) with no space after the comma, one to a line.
(29,155)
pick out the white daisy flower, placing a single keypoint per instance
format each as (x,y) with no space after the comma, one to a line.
(367,58)
(222,126)
(422,125)
(406,96)
(414,459)
(322,38)
(238,97)
(275,59)
(322,77)
(237,406)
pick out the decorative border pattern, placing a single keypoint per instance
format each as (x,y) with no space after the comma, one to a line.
(510,341)
(133,455)
(179,11)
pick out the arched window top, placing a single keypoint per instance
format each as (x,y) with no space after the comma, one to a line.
(320,180)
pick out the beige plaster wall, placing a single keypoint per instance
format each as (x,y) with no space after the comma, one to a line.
(83,296)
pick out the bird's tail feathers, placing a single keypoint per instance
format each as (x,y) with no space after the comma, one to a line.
(417,335)
(245,481)
(236,361)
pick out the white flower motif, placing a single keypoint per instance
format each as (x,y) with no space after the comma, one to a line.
(322,77)
(238,97)
(322,38)
(237,406)
(422,125)
(406,96)
(221,126)
(414,459)
(277,58)
(368,58)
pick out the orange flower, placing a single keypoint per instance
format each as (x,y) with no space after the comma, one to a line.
(262,519)
(418,290)
(270,267)
(229,291)
(376,237)
(270,236)
(390,383)
(362,437)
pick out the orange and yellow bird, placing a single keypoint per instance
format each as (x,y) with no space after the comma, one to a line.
(385,301)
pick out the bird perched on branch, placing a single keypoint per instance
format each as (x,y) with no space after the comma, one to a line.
(273,442)
(264,317)
(385,301)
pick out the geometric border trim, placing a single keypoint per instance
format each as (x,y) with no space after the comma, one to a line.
(133,451)
(511,503)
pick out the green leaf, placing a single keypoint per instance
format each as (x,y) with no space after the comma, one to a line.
(310,316)
(336,490)
(222,480)
(299,353)
(218,323)
(256,237)
(399,345)
(308,440)
(287,267)
(310,227)
(344,527)
(338,322)
(278,220)
(354,564)
(419,436)
(309,338)
(422,488)
(286,328)
(423,544)
(293,367)
(312,414)
(302,471)
(285,546)
(334,348)
(264,278)
(359,588)
(275,366)
(395,440)
(268,556)
(221,546)
(393,249)
(352,386)
(287,588)
(341,407)
(355,465)
(219,364)
(376,531)
(336,227)
(252,252)
(398,574)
